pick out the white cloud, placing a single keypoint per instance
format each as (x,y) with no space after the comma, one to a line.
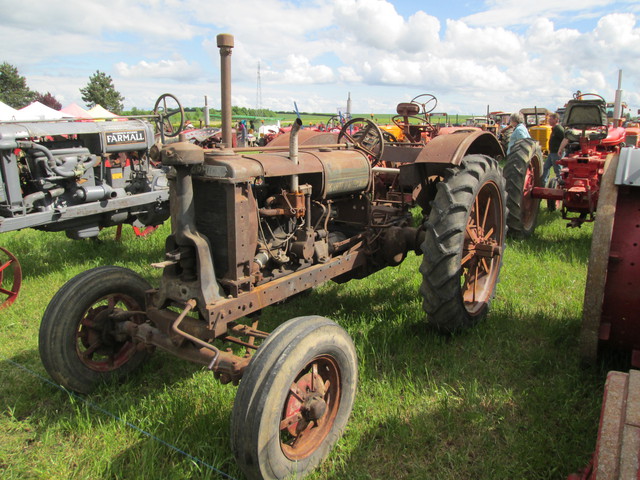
(509,54)
(177,69)
(505,13)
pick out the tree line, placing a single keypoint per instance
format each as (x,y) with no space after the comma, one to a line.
(15,92)
(100,90)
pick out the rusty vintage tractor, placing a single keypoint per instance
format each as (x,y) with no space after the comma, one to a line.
(81,176)
(590,144)
(251,228)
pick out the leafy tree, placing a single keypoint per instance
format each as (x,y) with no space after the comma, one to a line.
(48,100)
(13,87)
(100,90)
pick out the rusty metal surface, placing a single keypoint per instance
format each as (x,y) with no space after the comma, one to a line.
(225,365)
(452,148)
(241,168)
(225,44)
(228,310)
(306,137)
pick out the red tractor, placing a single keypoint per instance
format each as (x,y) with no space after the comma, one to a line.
(590,144)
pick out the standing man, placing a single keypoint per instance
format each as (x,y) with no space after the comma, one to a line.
(557,135)
(516,120)
(242,134)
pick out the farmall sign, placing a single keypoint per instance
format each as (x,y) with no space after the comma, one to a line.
(123,138)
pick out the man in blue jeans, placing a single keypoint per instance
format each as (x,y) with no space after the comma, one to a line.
(557,134)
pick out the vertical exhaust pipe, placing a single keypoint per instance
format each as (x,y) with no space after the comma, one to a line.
(225,44)
(293,151)
(617,106)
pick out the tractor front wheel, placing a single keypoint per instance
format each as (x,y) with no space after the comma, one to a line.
(464,243)
(80,344)
(294,399)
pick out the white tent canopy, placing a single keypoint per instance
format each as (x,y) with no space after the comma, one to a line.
(38,111)
(76,111)
(100,112)
(7,113)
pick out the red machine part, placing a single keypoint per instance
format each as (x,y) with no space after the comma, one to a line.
(612,304)
(581,177)
(10,270)
(619,324)
(581,174)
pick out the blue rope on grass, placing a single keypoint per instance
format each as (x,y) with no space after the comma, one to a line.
(113,415)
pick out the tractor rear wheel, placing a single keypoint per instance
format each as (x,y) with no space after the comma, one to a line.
(294,399)
(80,345)
(523,169)
(464,242)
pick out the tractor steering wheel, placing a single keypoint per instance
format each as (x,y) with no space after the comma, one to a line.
(163,113)
(429,99)
(368,139)
(579,96)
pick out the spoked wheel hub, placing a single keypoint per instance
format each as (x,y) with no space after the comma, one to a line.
(482,250)
(10,278)
(529,204)
(310,408)
(98,344)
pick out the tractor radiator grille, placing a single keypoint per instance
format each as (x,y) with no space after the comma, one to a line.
(211,211)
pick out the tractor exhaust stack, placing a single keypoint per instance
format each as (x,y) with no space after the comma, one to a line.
(225,44)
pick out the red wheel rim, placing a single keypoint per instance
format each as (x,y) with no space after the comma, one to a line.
(10,271)
(528,204)
(146,231)
(97,344)
(482,248)
(310,408)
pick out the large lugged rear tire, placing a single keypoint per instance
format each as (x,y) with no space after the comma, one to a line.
(463,246)
(523,170)
(294,399)
(79,343)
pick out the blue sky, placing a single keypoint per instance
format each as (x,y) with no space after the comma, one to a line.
(505,54)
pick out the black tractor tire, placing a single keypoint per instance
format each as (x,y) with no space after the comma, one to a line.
(523,170)
(464,243)
(278,376)
(77,341)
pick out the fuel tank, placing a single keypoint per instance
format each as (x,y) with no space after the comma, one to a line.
(331,172)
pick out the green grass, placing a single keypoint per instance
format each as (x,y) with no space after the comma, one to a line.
(505,400)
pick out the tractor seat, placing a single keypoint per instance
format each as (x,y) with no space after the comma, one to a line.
(585,113)
(574,134)
(408,109)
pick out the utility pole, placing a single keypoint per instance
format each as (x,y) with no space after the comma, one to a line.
(259,93)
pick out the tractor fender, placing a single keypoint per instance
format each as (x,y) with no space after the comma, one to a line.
(451,148)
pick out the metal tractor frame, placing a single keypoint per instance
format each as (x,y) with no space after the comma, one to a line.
(252,227)
(82,176)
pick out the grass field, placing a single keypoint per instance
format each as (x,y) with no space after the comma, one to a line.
(505,400)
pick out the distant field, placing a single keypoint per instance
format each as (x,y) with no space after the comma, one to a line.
(314,119)
(505,400)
